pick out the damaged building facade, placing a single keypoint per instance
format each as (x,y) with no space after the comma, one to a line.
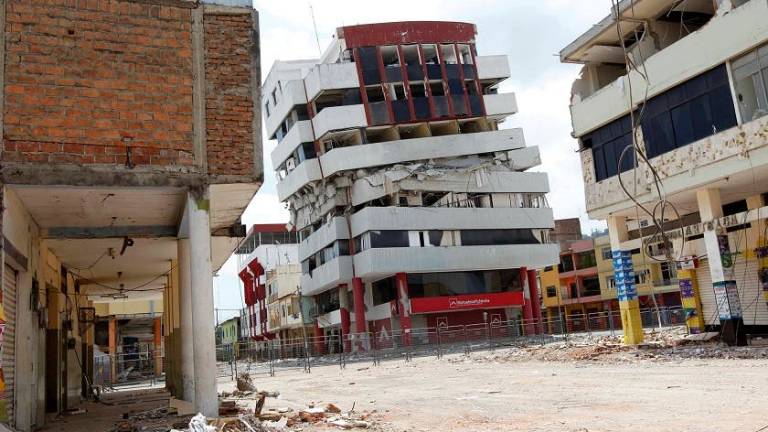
(414,209)
(268,267)
(688,81)
(131,146)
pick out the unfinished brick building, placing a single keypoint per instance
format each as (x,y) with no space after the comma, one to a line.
(131,146)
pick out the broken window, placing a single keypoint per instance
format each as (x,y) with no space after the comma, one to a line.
(430,54)
(389,239)
(384,291)
(432,62)
(306,151)
(369,64)
(328,301)
(750,75)
(465,54)
(448,54)
(391,60)
(389,56)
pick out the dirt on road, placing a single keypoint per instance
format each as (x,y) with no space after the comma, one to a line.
(575,387)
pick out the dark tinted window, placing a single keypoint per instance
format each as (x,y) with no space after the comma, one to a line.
(696,109)
(458,283)
(384,291)
(388,239)
(497,237)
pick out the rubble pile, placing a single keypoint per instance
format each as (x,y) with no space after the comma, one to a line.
(162,419)
(667,345)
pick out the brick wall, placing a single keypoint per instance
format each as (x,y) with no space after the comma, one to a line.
(85,79)
(229,99)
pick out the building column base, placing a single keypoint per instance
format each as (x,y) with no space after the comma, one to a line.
(631,322)
(689,296)
(732,332)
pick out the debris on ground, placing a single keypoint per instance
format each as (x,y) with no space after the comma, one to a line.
(666,345)
(160,419)
(245,383)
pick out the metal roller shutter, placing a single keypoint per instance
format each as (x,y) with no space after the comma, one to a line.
(707,294)
(754,308)
(9,339)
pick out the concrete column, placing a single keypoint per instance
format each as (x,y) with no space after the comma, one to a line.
(185,331)
(158,333)
(623,270)
(204,345)
(113,349)
(691,299)
(721,268)
(533,288)
(528,326)
(404,303)
(358,293)
(345,319)
(319,339)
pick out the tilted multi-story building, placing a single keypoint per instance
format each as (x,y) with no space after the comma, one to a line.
(693,76)
(414,208)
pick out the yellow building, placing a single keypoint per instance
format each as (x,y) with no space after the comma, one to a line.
(580,293)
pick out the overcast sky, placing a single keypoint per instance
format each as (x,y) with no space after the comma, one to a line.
(530,32)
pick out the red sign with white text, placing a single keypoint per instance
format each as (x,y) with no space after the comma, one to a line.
(466,302)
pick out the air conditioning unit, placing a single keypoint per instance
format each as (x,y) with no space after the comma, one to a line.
(290,164)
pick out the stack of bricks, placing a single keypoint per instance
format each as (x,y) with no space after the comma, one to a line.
(228,95)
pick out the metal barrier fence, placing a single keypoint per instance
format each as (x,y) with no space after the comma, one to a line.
(265,357)
(128,368)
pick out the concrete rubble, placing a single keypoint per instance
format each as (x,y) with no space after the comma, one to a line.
(237,415)
(667,345)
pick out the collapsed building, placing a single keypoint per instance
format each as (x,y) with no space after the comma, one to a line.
(670,114)
(131,146)
(414,208)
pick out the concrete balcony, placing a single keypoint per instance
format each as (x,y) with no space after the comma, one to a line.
(363,190)
(724,38)
(426,218)
(393,152)
(331,76)
(327,234)
(327,276)
(339,118)
(500,105)
(308,171)
(495,67)
(293,94)
(383,262)
(301,132)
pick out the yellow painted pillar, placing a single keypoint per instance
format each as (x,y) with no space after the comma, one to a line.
(624,274)
(689,293)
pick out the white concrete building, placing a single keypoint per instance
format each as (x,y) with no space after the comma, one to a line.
(693,79)
(402,185)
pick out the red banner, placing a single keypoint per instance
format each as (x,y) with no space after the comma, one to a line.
(466,302)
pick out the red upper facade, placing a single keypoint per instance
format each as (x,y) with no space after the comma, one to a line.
(407,32)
